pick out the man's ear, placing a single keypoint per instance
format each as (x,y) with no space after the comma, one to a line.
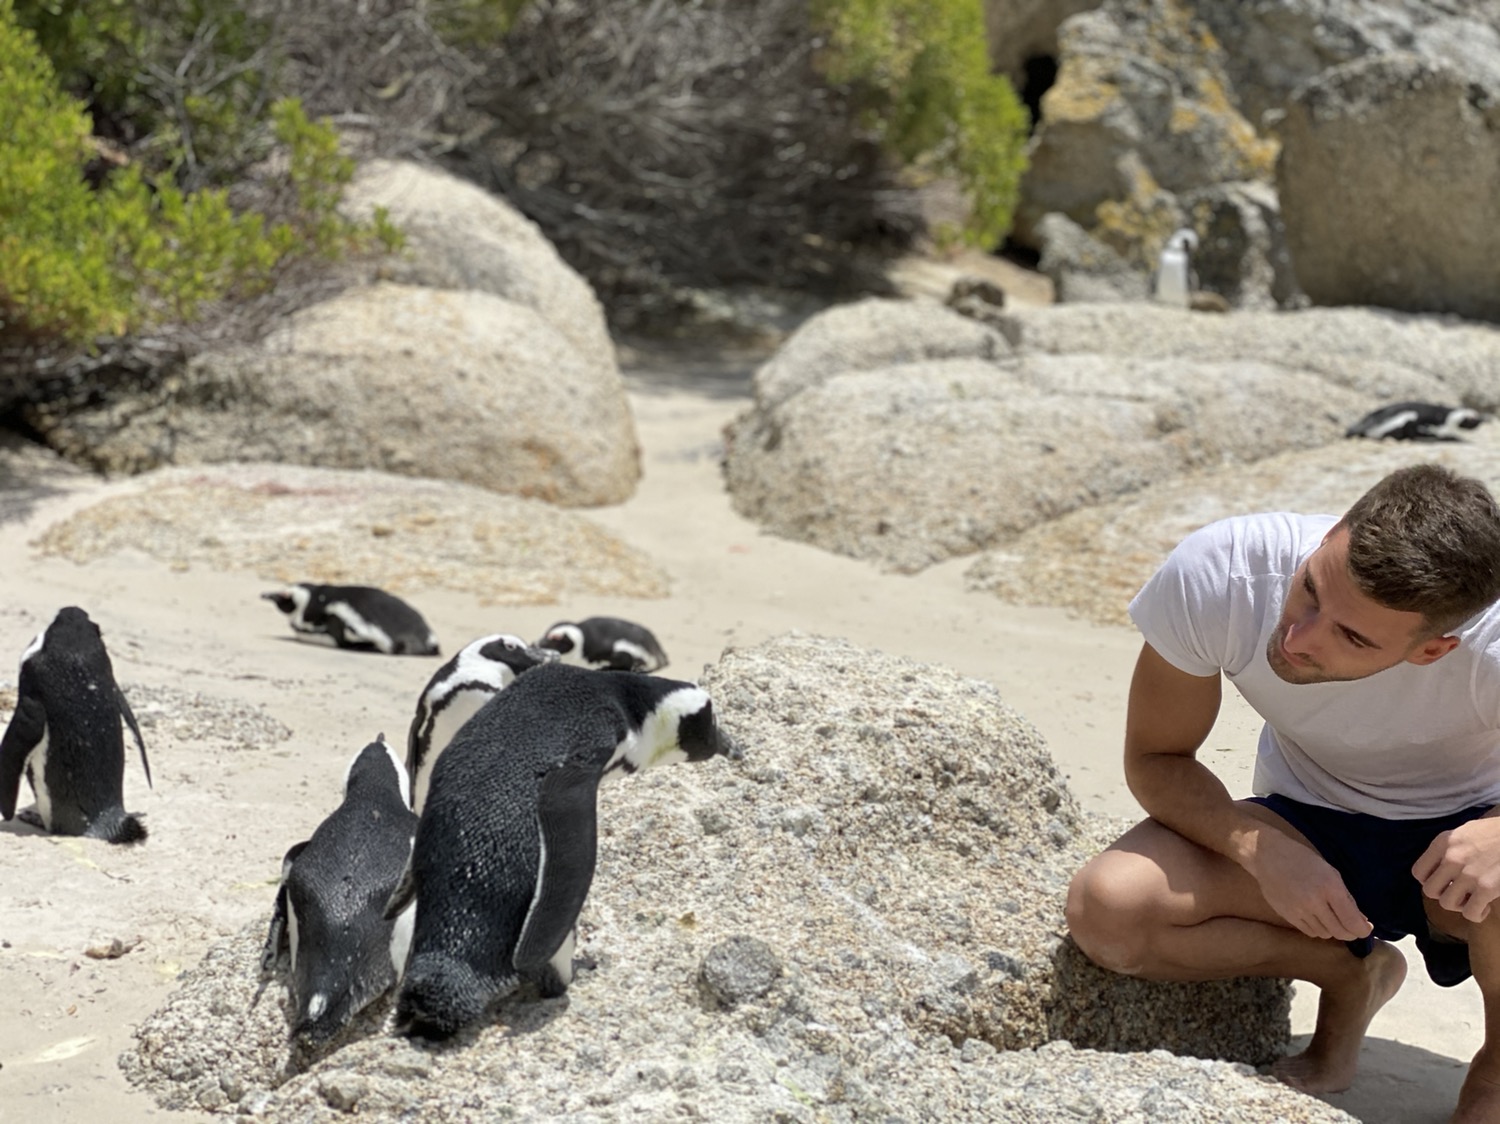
(1430,651)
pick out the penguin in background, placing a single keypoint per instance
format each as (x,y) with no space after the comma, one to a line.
(506,844)
(1174,281)
(1416,421)
(606,642)
(67,736)
(329,912)
(453,695)
(359,617)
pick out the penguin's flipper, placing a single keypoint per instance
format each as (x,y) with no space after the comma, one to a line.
(28,726)
(276,941)
(401,896)
(567,816)
(135,729)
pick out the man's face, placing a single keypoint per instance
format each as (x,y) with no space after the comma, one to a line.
(1330,632)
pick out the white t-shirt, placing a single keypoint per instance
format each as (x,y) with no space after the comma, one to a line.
(1404,743)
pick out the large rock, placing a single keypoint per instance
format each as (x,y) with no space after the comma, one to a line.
(457,385)
(863,920)
(290,523)
(1273,46)
(912,460)
(1388,178)
(459,236)
(1018,31)
(1093,561)
(1141,111)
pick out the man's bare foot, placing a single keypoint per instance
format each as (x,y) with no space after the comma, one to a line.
(1344,1013)
(1479,1099)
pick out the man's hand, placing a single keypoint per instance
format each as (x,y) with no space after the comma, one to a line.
(1299,885)
(1460,869)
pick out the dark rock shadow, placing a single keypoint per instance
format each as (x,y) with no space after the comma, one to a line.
(30,474)
(664,369)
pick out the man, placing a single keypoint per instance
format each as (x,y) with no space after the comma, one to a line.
(1371,647)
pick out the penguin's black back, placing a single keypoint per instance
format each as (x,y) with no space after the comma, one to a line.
(338,885)
(72,676)
(477,849)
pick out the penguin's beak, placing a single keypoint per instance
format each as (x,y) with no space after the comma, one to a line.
(730,748)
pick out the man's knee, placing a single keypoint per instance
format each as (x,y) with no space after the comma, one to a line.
(1109,911)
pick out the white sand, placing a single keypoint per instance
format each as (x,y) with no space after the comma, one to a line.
(222,816)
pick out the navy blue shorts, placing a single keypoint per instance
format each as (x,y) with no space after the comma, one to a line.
(1374,857)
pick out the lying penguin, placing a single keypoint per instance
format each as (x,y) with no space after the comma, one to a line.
(606,642)
(505,848)
(329,912)
(460,687)
(66,736)
(1416,421)
(356,616)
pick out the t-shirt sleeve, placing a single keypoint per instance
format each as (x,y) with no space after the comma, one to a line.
(1183,610)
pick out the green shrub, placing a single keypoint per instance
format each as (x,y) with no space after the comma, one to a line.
(921,72)
(185,84)
(76,263)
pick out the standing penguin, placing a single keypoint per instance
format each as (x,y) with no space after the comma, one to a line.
(356,616)
(505,847)
(329,911)
(606,642)
(451,697)
(66,736)
(1174,280)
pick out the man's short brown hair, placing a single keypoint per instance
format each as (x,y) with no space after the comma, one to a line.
(1427,540)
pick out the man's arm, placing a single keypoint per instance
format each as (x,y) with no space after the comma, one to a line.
(1169,716)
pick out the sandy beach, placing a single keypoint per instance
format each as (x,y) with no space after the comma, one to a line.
(272,722)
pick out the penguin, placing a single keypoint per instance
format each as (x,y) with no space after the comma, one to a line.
(606,642)
(1416,421)
(1174,280)
(356,616)
(329,911)
(460,687)
(66,736)
(506,843)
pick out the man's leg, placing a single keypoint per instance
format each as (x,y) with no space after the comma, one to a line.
(1479,1100)
(1159,906)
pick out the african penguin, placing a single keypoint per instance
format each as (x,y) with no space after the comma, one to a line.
(506,842)
(66,736)
(460,687)
(329,912)
(1416,421)
(606,642)
(356,616)
(1174,280)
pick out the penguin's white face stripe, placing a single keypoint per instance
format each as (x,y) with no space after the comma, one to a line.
(300,599)
(1392,424)
(474,668)
(1454,424)
(359,627)
(573,634)
(655,743)
(35,646)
